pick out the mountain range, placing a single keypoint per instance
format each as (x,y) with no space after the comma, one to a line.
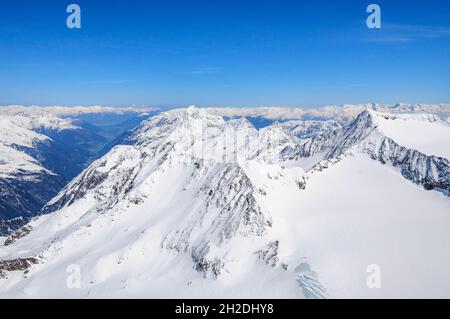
(42,149)
(201,203)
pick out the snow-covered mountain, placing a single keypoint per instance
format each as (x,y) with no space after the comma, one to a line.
(308,129)
(40,152)
(26,185)
(413,143)
(193,205)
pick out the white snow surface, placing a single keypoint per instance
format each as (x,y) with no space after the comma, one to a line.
(190,185)
(19,131)
(358,213)
(13,133)
(13,162)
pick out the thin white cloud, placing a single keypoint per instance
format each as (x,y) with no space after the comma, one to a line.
(104,82)
(69,110)
(204,71)
(342,113)
(404,33)
(420,31)
(340,86)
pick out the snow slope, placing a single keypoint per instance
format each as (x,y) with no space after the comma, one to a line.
(195,206)
(358,213)
(12,160)
(18,133)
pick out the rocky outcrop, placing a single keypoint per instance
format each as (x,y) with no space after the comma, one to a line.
(17,234)
(269,255)
(229,208)
(431,172)
(23,195)
(20,264)
(363,135)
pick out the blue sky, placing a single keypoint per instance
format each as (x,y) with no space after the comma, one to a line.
(224,53)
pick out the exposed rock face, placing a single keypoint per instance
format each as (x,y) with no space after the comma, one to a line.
(310,129)
(209,268)
(229,208)
(429,171)
(21,264)
(363,135)
(269,255)
(23,195)
(230,202)
(17,234)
